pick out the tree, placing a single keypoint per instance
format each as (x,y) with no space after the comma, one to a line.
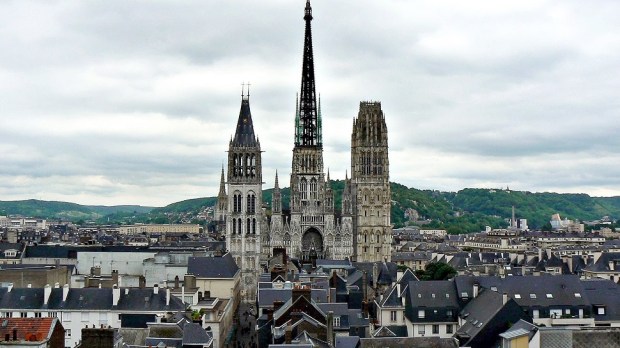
(436,271)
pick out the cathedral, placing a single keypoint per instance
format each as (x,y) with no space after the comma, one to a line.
(311,227)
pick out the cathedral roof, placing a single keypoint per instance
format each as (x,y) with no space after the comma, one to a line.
(244,134)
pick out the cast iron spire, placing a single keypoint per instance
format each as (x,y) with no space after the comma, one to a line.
(308,133)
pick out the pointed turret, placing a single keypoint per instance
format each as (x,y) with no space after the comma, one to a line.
(276,198)
(244,134)
(222,192)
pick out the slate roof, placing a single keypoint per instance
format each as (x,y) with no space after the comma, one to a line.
(212,267)
(532,290)
(267,296)
(347,342)
(604,292)
(136,300)
(480,312)
(193,333)
(602,264)
(244,134)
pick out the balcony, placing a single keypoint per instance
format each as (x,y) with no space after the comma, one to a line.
(572,321)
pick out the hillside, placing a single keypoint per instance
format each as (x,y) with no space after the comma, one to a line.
(468,210)
(65,210)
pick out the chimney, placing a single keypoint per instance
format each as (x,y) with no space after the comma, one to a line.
(398,289)
(141,282)
(156,289)
(504,298)
(29,286)
(375,274)
(10,287)
(47,291)
(167,297)
(115,276)
(611,265)
(14,334)
(56,285)
(330,328)
(65,292)
(476,289)
(399,274)
(288,333)
(126,291)
(116,295)
(176,282)
(189,281)
(183,294)
(364,286)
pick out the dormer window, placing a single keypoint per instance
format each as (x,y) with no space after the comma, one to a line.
(517,295)
(549,295)
(532,295)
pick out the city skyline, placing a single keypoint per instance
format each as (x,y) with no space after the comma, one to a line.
(134,103)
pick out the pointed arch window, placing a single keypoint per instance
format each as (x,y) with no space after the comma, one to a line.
(248,226)
(313,188)
(251,203)
(253,226)
(239,227)
(303,188)
(234,226)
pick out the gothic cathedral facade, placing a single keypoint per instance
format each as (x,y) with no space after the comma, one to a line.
(312,228)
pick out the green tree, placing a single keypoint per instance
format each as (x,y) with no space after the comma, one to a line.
(436,271)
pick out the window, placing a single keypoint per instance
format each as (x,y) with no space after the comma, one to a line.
(393,315)
(555,313)
(8,314)
(536,314)
(532,295)
(600,310)
(336,321)
(549,295)
(68,333)
(103,318)
(578,295)
(85,316)
(23,315)
(421,313)
(37,314)
(433,295)
(421,329)
(464,295)
(435,329)
(517,295)
(52,315)
(449,328)
(447,295)
(449,313)
(66,316)
(494,288)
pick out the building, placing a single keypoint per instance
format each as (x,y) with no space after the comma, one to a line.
(32,332)
(77,308)
(370,183)
(160,229)
(312,228)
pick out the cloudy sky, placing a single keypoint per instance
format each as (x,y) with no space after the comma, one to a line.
(133,102)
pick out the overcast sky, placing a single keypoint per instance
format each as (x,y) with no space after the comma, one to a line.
(133,102)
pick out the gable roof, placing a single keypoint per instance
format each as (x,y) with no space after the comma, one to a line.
(28,329)
(212,267)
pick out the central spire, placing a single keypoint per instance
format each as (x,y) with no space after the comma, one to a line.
(308,131)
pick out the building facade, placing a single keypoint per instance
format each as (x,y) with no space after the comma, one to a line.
(244,214)
(370,179)
(312,228)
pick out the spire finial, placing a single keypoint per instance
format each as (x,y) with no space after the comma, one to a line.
(277,185)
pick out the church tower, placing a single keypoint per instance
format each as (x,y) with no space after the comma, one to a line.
(221,207)
(244,214)
(370,182)
(312,223)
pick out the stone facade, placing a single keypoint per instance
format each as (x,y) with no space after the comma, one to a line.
(370,182)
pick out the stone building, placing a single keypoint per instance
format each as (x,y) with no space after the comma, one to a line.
(312,228)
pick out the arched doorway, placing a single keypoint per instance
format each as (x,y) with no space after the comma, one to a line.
(312,244)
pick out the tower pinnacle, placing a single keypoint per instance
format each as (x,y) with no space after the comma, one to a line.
(309,126)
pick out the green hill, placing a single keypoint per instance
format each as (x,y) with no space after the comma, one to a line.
(468,210)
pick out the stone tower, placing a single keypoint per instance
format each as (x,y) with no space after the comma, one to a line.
(244,215)
(221,207)
(370,184)
(312,230)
